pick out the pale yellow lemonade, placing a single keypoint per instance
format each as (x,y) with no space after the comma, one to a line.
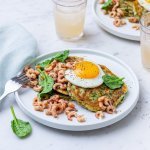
(69,25)
(145,51)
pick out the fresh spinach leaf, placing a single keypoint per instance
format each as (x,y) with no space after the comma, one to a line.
(20,127)
(44,96)
(113,82)
(47,83)
(61,56)
(107,5)
(45,63)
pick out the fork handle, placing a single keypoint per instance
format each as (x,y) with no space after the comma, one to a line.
(3,96)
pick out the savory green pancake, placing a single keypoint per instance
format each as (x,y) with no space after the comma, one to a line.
(88,97)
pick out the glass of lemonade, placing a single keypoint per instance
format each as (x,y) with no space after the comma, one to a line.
(145,39)
(69,18)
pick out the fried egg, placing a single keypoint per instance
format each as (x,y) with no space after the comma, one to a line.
(85,74)
(145,4)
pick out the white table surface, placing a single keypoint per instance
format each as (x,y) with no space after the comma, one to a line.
(133,132)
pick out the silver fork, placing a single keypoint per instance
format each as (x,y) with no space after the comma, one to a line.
(14,84)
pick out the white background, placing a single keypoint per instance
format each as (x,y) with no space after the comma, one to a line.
(133,132)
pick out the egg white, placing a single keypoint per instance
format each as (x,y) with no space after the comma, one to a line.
(82,82)
(145,4)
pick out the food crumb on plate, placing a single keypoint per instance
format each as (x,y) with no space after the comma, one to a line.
(99,115)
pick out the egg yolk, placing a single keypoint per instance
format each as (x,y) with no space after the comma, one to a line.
(86,69)
(148,1)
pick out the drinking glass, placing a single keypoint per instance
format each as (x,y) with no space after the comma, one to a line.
(145,39)
(69,18)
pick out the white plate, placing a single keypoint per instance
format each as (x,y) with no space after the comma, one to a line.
(25,97)
(106,23)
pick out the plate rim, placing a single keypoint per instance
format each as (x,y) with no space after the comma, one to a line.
(110,30)
(81,127)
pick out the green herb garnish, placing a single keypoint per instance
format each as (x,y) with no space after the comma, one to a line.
(94,96)
(20,127)
(107,5)
(47,83)
(61,56)
(45,63)
(113,82)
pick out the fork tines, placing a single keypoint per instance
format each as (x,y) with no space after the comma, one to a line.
(21,79)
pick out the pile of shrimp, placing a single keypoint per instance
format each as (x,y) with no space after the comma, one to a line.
(33,78)
(55,106)
(57,71)
(106,105)
(117,14)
